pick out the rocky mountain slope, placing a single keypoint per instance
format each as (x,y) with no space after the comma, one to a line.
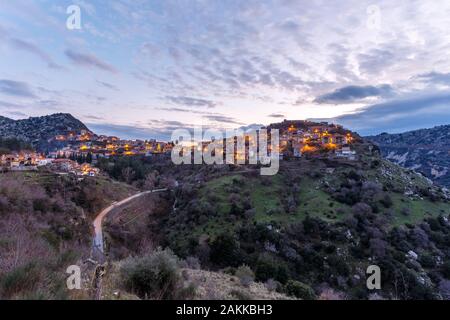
(426,151)
(39,130)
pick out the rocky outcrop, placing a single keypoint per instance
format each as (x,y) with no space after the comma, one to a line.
(426,151)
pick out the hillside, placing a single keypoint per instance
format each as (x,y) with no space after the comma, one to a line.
(205,285)
(427,151)
(320,223)
(45,226)
(308,232)
(39,131)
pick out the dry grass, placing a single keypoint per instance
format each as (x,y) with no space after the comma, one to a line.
(216,285)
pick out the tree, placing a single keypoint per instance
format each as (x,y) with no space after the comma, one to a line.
(361,208)
(378,247)
(245,275)
(154,276)
(225,250)
(128,174)
(300,290)
(150,180)
(268,267)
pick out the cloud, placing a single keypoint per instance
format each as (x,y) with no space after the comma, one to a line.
(108,85)
(49,104)
(88,7)
(91,117)
(128,131)
(277,115)
(185,110)
(192,102)
(3,32)
(16,88)
(17,114)
(435,78)
(223,119)
(35,50)
(6,104)
(399,115)
(89,60)
(377,60)
(351,94)
(250,127)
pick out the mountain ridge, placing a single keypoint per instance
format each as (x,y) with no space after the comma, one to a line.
(39,131)
(424,150)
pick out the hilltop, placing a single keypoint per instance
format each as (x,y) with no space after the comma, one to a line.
(41,131)
(426,150)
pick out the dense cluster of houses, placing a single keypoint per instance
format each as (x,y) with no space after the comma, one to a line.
(30,161)
(25,160)
(107,146)
(298,138)
(70,166)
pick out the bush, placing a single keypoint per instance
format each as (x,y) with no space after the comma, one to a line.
(241,295)
(245,275)
(225,250)
(300,290)
(153,276)
(20,280)
(427,261)
(268,267)
(386,201)
(273,285)
(446,269)
(361,208)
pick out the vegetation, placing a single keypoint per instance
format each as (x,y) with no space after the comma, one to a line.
(44,228)
(308,232)
(13,144)
(316,226)
(156,275)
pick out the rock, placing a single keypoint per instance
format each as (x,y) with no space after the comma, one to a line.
(412,255)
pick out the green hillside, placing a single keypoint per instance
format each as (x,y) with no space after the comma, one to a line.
(320,221)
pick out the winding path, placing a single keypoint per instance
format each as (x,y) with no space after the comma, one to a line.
(98,221)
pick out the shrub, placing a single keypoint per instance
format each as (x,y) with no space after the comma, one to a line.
(361,208)
(19,280)
(268,267)
(153,276)
(273,285)
(241,295)
(406,212)
(446,269)
(386,201)
(300,290)
(427,261)
(225,250)
(192,263)
(245,275)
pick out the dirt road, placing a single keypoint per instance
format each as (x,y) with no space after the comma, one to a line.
(98,222)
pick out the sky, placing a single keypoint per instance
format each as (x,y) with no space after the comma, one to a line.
(141,69)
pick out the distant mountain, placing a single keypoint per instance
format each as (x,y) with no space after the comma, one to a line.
(40,131)
(426,151)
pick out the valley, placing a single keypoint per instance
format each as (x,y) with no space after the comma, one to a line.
(144,228)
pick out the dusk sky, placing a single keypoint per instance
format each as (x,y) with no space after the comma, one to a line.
(140,69)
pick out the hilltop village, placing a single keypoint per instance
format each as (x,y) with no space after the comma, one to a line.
(77,152)
(299,138)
